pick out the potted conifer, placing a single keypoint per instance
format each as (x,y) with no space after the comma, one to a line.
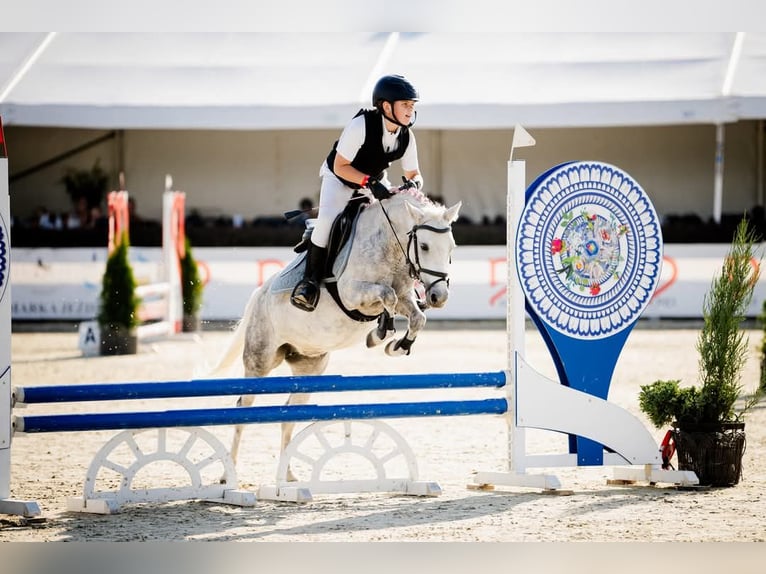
(191,288)
(708,426)
(118,304)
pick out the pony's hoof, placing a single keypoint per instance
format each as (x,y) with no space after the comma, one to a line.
(394,349)
(373,338)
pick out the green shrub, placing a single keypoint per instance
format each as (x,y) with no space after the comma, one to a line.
(721,345)
(118,303)
(191,283)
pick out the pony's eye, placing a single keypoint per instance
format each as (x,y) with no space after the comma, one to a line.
(424,246)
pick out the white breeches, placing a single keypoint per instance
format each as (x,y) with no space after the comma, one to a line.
(333,197)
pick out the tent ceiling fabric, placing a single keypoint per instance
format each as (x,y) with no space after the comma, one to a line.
(305,81)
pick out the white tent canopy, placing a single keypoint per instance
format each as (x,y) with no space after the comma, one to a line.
(305,81)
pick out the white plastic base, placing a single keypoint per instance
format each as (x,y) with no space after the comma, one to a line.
(26,508)
(654,475)
(542,481)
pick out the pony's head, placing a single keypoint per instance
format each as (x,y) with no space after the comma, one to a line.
(429,242)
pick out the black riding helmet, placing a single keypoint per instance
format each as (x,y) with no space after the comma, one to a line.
(392,89)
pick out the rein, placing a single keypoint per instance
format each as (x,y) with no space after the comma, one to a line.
(415,269)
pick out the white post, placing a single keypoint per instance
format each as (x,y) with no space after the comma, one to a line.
(5,344)
(515,318)
(516,313)
(172,251)
(7,506)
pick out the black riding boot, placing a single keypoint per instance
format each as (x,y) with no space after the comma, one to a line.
(306,293)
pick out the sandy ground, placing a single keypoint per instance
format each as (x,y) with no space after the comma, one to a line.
(49,468)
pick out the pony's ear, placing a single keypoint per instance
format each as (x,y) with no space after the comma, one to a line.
(451,214)
(415,212)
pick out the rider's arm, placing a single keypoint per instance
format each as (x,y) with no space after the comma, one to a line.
(344,169)
(349,144)
(410,166)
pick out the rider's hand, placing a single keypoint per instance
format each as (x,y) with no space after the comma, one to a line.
(408,184)
(379,190)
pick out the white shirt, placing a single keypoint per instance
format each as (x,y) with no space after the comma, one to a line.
(352,138)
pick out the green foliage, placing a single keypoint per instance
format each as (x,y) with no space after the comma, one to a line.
(88,183)
(191,283)
(721,345)
(664,401)
(118,301)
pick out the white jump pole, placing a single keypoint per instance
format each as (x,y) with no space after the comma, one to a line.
(7,505)
(515,313)
(173,238)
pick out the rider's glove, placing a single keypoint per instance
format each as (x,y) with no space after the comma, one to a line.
(379,190)
(414,183)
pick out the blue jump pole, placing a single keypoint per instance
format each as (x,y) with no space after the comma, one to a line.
(251,386)
(247,415)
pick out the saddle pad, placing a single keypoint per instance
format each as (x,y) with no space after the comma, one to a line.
(289,276)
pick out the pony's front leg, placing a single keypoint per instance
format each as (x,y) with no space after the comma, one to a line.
(385,330)
(368,297)
(416,320)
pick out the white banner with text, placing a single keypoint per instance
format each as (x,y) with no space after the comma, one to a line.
(64,284)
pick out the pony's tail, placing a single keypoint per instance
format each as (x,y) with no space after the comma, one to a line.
(235,348)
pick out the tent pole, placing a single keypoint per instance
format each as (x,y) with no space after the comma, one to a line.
(718,177)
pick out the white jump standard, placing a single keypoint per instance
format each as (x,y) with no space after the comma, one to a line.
(587,248)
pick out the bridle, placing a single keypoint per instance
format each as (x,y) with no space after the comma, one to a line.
(415,269)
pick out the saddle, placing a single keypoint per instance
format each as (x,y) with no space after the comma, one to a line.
(340,234)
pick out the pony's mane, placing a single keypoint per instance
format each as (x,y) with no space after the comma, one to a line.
(418,196)
(420,199)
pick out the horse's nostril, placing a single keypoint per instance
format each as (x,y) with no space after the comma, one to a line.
(434,298)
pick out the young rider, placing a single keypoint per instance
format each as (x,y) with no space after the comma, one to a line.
(370,142)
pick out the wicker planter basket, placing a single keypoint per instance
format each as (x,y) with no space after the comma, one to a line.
(714,454)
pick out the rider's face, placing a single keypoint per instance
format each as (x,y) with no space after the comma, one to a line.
(404,110)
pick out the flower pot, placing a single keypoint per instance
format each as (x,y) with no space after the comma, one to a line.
(190,323)
(714,453)
(118,340)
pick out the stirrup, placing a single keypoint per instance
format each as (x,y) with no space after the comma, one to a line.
(302,300)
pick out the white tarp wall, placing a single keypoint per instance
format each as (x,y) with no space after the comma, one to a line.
(298,80)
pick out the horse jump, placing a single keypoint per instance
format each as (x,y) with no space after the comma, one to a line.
(531,399)
(161,310)
(396,455)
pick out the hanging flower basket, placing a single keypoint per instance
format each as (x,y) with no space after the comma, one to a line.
(713,453)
